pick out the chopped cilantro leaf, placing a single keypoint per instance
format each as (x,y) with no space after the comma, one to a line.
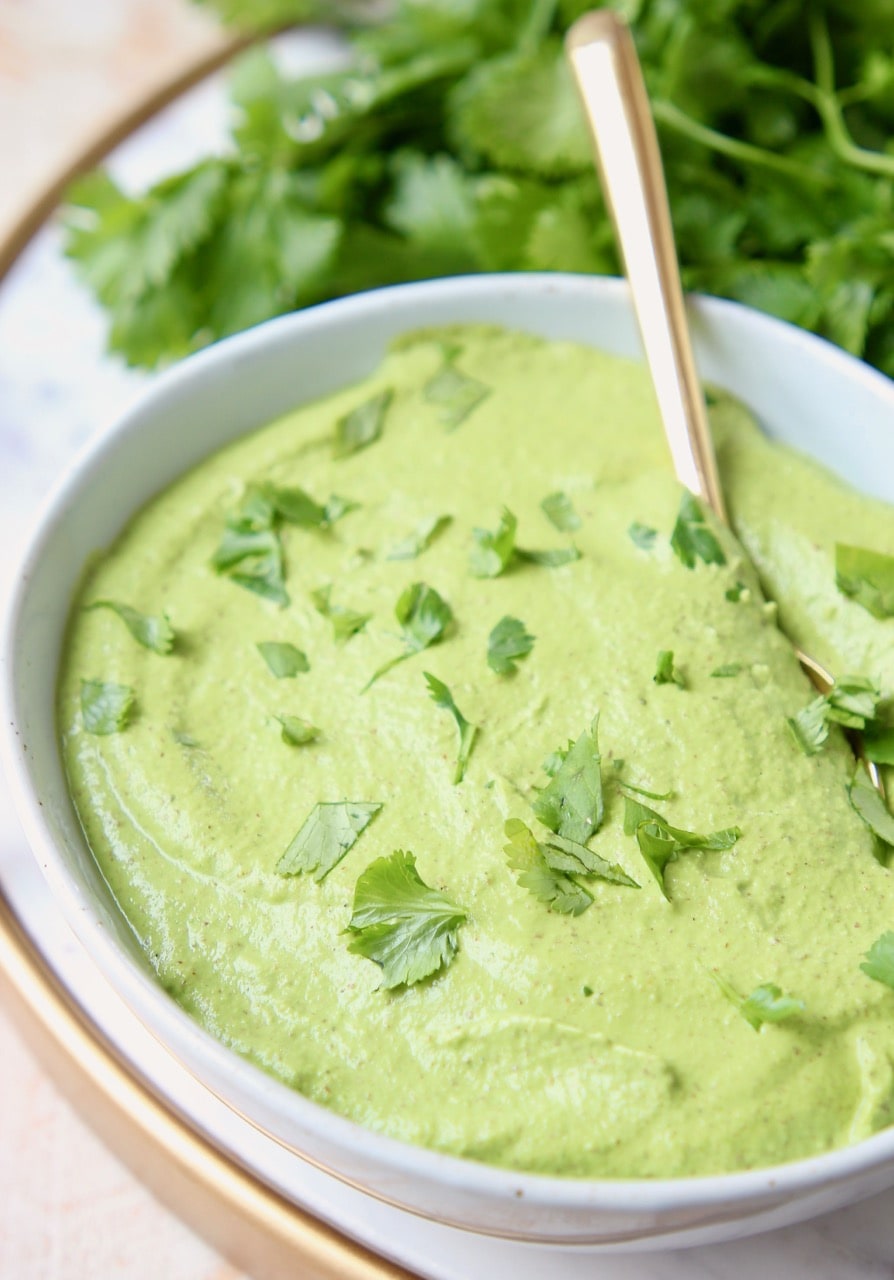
(455,393)
(153,633)
(851,702)
(424,617)
(283,659)
(736,593)
(297,732)
(559,510)
(508,642)
(254,560)
(571,804)
(363,425)
(867,577)
(666,672)
(660,843)
(879,962)
(420,539)
(866,801)
(401,923)
(105,707)
(492,553)
(345,622)
(327,834)
(642,535)
(692,538)
(728,670)
(442,697)
(297,507)
(559,891)
(810,727)
(767,1003)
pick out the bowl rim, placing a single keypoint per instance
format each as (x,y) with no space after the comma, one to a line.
(735,1190)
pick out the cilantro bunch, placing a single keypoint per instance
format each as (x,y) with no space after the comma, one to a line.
(454,143)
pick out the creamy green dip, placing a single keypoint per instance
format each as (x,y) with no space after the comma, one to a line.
(590,1045)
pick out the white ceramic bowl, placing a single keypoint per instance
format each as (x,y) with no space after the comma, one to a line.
(804,392)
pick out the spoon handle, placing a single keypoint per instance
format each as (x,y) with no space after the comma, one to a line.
(603,57)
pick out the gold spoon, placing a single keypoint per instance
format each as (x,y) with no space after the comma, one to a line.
(603,57)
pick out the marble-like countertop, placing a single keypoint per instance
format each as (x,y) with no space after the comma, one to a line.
(68,1210)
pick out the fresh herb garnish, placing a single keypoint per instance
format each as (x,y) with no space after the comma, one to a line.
(767,1003)
(572,804)
(455,393)
(424,617)
(105,707)
(736,592)
(345,622)
(879,962)
(401,923)
(660,843)
(508,642)
(153,633)
(851,702)
(559,510)
(250,552)
(253,558)
(327,834)
(550,868)
(363,425)
(666,672)
(451,142)
(420,539)
(297,732)
(728,670)
(867,577)
(692,538)
(642,535)
(283,659)
(442,697)
(494,552)
(866,801)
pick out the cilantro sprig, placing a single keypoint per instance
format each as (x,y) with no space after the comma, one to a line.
(494,551)
(452,142)
(455,393)
(443,698)
(572,803)
(402,924)
(766,1004)
(552,869)
(879,961)
(425,618)
(666,672)
(661,843)
(866,801)
(363,425)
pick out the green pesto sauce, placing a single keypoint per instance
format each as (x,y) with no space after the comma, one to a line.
(596,1045)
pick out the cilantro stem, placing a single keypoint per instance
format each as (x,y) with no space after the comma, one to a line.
(826,102)
(743,152)
(828,106)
